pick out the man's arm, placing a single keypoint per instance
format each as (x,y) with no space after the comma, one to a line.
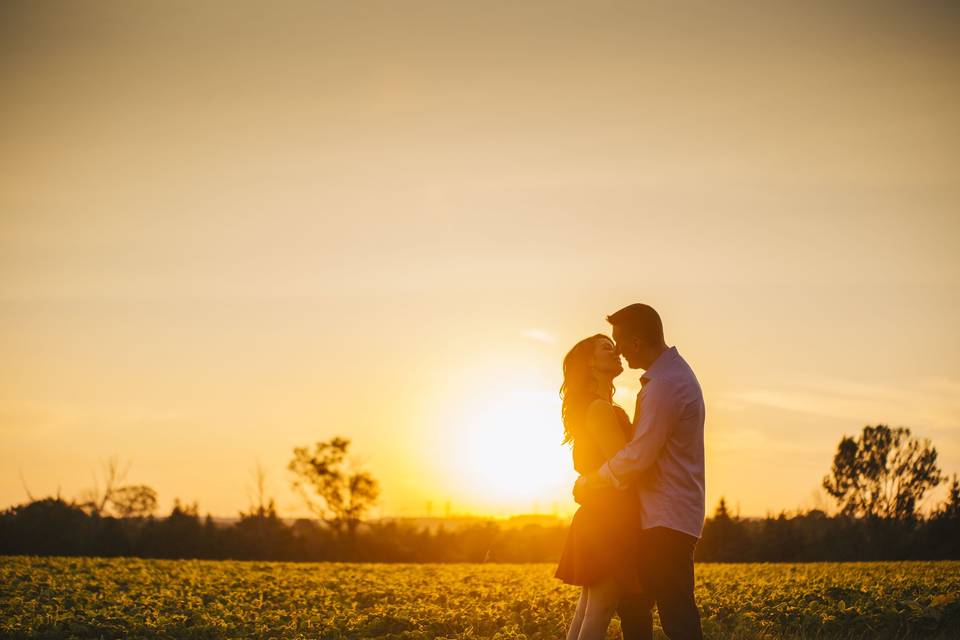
(659,414)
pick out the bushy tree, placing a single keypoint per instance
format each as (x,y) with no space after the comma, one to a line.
(134,501)
(49,526)
(951,507)
(331,487)
(883,474)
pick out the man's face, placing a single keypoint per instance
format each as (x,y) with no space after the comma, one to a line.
(627,346)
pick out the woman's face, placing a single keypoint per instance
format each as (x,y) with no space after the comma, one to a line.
(606,360)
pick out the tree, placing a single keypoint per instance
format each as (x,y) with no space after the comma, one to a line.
(49,526)
(722,513)
(333,489)
(129,501)
(260,533)
(725,538)
(943,540)
(882,474)
(261,506)
(134,501)
(951,507)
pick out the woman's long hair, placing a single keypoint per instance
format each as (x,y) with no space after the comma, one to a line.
(579,387)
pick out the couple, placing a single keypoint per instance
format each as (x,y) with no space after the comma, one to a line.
(641,484)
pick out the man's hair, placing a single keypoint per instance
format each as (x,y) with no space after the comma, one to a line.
(640,321)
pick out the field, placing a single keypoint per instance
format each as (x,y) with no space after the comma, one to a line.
(114,598)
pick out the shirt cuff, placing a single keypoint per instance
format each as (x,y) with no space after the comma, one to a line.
(607,474)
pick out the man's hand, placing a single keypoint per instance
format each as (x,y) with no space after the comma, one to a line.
(585,484)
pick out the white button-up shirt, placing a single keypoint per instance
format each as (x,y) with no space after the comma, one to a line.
(665,457)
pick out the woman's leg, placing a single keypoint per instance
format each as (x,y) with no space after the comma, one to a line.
(602,600)
(574,632)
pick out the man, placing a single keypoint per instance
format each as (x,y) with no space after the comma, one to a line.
(665,463)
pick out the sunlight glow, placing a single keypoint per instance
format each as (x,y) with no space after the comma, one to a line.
(511,451)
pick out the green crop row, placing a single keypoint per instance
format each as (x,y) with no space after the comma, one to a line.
(132,598)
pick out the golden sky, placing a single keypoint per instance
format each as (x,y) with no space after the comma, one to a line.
(231,228)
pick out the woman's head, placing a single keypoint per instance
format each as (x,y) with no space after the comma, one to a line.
(588,372)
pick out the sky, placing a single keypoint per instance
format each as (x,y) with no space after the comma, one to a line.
(232,228)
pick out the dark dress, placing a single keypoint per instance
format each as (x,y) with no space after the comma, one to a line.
(602,539)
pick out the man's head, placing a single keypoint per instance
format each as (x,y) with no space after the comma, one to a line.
(638,332)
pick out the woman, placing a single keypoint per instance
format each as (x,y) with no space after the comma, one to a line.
(600,551)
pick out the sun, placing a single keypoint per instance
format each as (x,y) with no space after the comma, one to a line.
(511,456)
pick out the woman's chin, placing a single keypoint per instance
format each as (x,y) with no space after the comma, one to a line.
(613,373)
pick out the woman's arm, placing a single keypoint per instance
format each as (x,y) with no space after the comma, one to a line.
(603,425)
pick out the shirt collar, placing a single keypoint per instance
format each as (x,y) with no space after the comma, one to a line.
(661,363)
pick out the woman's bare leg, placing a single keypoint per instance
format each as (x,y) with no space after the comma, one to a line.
(574,632)
(602,600)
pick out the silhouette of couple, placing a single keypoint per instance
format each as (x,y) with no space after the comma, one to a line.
(641,485)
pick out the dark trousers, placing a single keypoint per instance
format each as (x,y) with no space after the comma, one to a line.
(666,573)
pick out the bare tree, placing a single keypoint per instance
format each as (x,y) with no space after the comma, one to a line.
(27,489)
(260,504)
(116,499)
(95,499)
(332,488)
(883,474)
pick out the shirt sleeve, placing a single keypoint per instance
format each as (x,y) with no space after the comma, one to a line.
(660,410)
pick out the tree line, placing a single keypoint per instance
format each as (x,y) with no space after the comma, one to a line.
(879,480)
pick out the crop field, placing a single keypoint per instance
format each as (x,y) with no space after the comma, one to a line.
(121,598)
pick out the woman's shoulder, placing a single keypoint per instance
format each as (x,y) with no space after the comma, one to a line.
(601,414)
(599,407)
(602,407)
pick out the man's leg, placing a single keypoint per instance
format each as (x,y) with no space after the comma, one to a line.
(636,608)
(671,579)
(636,616)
